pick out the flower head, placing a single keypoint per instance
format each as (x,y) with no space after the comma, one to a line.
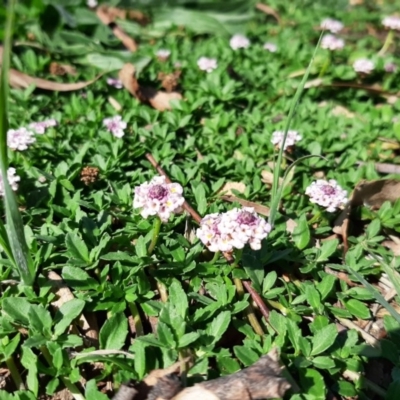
(327,194)
(233,229)
(20,139)
(115,125)
(239,42)
(163,54)
(92,3)
(271,47)
(12,180)
(363,65)
(159,198)
(207,64)
(332,25)
(391,22)
(332,42)
(115,82)
(390,67)
(40,127)
(291,139)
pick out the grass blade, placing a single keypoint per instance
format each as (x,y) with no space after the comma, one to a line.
(275,193)
(379,298)
(15,229)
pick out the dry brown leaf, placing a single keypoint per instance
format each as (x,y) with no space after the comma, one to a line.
(64,295)
(268,10)
(107,16)
(158,99)
(314,83)
(268,177)
(340,111)
(384,168)
(61,69)
(169,81)
(395,247)
(228,186)
(114,103)
(375,193)
(258,208)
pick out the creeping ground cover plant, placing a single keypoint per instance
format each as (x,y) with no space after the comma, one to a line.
(199,199)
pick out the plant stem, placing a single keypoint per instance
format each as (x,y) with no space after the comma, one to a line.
(15,375)
(156,233)
(163,291)
(136,318)
(325,66)
(387,44)
(183,367)
(315,218)
(251,316)
(76,394)
(215,258)
(355,376)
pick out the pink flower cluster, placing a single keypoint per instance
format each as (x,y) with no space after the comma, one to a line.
(159,198)
(327,194)
(12,180)
(331,42)
(115,82)
(391,22)
(20,139)
(332,25)
(291,139)
(115,125)
(239,42)
(163,54)
(271,47)
(364,66)
(40,127)
(207,64)
(233,229)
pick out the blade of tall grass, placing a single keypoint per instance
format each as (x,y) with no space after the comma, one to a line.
(379,298)
(15,229)
(276,192)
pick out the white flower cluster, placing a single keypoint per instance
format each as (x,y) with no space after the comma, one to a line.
(391,22)
(115,125)
(40,127)
(159,198)
(327,194)
(331,42)
(332,25)
(12,180)
(291,139)
(239,42)
(271,47)
(364,66)
(20,139)
(233,229)
(115,82)
(207,64)
(163,54)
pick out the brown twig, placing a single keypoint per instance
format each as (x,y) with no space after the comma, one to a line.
(384,168)
(195,215)
(341,275)
(258,300)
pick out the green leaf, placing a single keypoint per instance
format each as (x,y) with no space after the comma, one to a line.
(218,326)
(313,297)
(269,281)
(357,308)
(323,339)
(188,338)
(29,361)
(76,247)
(66,314)
(165,335)
(200,196)
(39,320)
(301,233)
(78,278)
(17,308)
(294,334)
(92,393)
(327,249)
(10,347)
(140,247)
(113,333)
(323,362)
(246,355)
(326,285)
(313,384)
(178,298)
